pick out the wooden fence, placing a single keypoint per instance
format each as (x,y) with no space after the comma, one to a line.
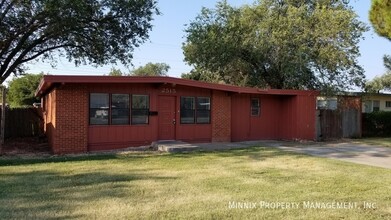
(336,124)
(343,122)
(23,122)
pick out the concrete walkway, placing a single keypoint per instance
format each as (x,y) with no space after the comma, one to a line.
(346,151)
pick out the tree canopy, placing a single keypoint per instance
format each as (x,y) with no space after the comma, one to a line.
(380,17)
(286,44)
(382,82)
(116,72)
(94,31)
(151,69)
(21,90)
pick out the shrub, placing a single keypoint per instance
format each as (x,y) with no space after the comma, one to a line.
(376,124)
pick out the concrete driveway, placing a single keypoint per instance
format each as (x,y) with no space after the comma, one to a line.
(346,151)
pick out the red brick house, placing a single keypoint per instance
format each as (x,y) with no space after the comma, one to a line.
(89,113)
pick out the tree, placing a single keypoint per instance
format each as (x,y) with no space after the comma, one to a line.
(21,91)
(382,82)
(286,44)
(116,72)
(96,32)
(380,17)
(151,69)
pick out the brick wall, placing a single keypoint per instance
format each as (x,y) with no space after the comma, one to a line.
(221,117)
(68,131)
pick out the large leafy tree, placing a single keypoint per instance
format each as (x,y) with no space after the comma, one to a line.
(85,31)
(285,44)
(382,82)
(151,69)
(21,90)
(380,17)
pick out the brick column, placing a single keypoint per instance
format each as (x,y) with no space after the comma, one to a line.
(71,127)
(221,117)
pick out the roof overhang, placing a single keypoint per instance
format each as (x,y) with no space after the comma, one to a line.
(49,81)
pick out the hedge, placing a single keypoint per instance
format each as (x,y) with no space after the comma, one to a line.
(376,124)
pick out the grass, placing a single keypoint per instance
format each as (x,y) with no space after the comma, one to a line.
(385,142)
(186,186)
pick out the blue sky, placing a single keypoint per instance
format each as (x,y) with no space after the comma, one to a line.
(167,36)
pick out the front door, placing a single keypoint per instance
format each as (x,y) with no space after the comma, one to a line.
(166,117)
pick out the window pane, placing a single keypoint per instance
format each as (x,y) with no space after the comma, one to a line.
(140,109)
(255,107)
(99,100)
(187,110)
(119,101)
(388,104)
(187,116)
(140,116)
(203,103)
(99,109)
(120,116)
(140,102)
(99,116)
(119,109)
(376,106)
(187,102)
(203,116)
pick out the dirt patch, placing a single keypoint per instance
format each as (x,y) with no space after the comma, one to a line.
(26,146)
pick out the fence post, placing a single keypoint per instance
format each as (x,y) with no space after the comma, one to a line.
(3,109)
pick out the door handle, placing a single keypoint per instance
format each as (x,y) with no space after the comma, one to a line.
(173,121)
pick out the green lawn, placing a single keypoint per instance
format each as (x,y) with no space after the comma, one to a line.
(385,142)
(187,186)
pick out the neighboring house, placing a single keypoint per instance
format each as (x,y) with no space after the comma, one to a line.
(372,102)
(330,103)
(89,113)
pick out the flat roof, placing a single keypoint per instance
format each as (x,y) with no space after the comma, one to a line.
(48,81)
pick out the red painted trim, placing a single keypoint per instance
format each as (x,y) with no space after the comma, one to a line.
(48,81)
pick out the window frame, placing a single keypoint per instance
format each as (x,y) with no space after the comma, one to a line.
(257,108)
(116,108)
(182,109)
(388,102)
(100,108)
(132,110)
(197,110)
(377,107)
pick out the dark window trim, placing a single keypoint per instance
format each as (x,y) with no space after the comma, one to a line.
(202,110)
(109,120)
(187,109)
(258,108)
(140,109)
(195,110)
(111,108)
(89,109)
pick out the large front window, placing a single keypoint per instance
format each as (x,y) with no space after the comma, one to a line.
(118,109)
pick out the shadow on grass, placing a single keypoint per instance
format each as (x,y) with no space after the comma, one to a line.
(58,195)
(12,161)
(254,153)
